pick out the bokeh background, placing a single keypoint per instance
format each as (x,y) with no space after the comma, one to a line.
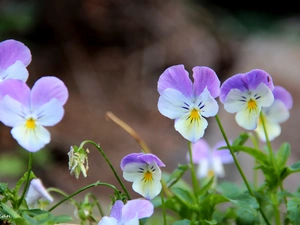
(110,54)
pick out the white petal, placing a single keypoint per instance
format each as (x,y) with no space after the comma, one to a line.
(209,106)
(131,171)
(235,100)
(15,71)
(12,112)
(191,130)
(31,139)
(218,167)
(173,104)
(108,221)
(266,95)
(50,113)
(134,221)
(148,190)
(247,119)
(36,191)
(203,168)
(273,130)
(277,112)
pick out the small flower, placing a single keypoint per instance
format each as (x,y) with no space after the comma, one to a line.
(37,191)
(186,102)
(245,94)
(78,161)
(128,214)
(210,160)
(143,170)
(275,114)
(28,111)
(14,58)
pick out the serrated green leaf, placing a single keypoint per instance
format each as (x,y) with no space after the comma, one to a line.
(186,198)
(282,155)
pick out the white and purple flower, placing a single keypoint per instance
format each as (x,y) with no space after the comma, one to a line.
(210,160)
(143,170)
(14,58)
(186,102)
(37,191)
(128,214)
(245,95)
(28,111)
(275,114)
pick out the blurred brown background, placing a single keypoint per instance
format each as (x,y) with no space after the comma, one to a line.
(110,55)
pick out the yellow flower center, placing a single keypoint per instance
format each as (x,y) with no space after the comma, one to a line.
(148,176)
(252,104)
(210,173)
(30,123)
(194,114)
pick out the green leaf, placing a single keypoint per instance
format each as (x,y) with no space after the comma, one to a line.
(244,202)
(176,175)
(293,210)
(182,222)
(241,140)
(260,157)
(295,168)
(3,187)
(211,221)
(9,211)
(186,198)
(62,219)
(282,155)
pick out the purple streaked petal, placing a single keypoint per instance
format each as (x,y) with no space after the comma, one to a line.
(150,158)
(176,77)
(11,51)
(255,77)
(234,82)
(138,207)
(32,140)
(17,90)
(224,155)
(282,94)
(173,104)
(47,88)
(131,171)
(133,157)
(50,113)
(12,112)
(116,210)
(200,151)
(15,71)
(206,77)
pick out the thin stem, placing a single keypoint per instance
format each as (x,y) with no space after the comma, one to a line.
(52,189)
(255,172)
(129,129)
(163,208)
(195,182)
(81,190)
(108,162)
(27,179)
(97,204)
(239,167)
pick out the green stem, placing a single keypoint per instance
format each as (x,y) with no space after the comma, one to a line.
(239,167)
(27,180)
(255,172)
(52,189)
(81,190)
(108,162)
(195,182)
(163,207)
(97,204)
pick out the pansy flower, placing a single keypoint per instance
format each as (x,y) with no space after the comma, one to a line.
(186,102)
(28,111)
(128,214)
(143,170)
(14,58)
(37,191)
(210,160)
(245,94)
(275,114)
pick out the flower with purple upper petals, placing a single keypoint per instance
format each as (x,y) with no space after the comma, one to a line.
(143,170)
(186,102)
(245,95)
(275,114)
(210,160)
(37,191)
(14,58)
(28,111)
(128,214)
